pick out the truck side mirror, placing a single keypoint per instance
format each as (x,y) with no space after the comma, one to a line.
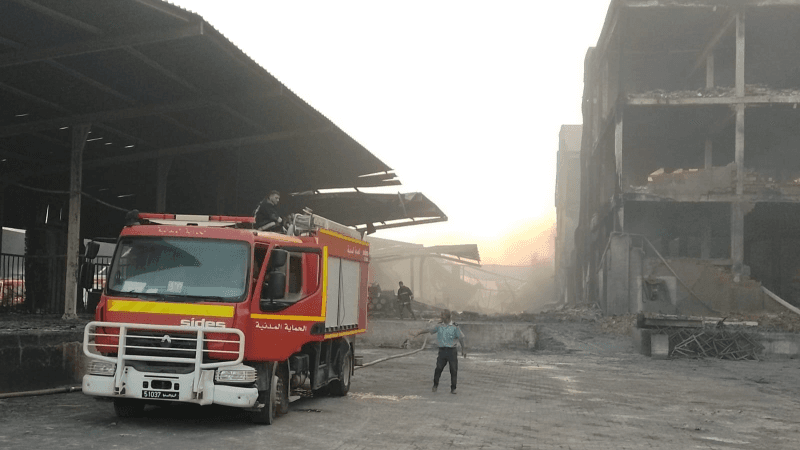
(278,259)
(86,275)
(91,250)
(273,289)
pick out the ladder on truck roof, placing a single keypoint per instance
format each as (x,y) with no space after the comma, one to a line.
(301,223)
(306,223)
(197,220)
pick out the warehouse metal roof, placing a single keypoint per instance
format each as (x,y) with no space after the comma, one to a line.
(156,83)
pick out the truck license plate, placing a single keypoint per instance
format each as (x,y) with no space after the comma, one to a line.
(160,394)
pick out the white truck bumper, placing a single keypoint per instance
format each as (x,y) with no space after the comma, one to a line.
(152,343)
(171,387)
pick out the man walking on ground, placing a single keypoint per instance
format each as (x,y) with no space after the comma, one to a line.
(404,296)
(447,333)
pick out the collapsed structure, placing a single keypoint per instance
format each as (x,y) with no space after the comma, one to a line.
(689,159)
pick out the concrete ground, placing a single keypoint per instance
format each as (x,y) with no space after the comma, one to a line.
(582,391)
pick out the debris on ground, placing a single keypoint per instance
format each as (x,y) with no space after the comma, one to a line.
(712,343)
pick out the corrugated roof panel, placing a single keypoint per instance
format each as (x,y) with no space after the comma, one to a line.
(204,65)
(23,25)
(215,122)
(119,17)
(141,82)
(158,132)
(49,83)
(67,60)
(13,108)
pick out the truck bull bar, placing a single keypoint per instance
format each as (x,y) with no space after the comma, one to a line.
(161,334)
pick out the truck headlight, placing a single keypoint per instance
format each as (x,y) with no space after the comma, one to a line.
(236,374)
(103,368)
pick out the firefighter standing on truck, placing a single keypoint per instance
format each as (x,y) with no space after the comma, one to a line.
(266,213)
(404,296)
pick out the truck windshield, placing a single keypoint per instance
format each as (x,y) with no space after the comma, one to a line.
(176,269)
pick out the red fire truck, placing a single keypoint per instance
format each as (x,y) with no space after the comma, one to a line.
(206,310)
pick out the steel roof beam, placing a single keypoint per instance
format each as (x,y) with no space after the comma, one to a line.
(410,221)
(206,146)
(100,116)
(161,69)
(169,10)
(257,71)
(104,88)
(188,86)
(21,157)
(176,151)
(99,45)
(59,16)
(34,99)
(97,85)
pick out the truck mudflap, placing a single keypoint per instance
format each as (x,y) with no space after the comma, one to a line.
(114,349)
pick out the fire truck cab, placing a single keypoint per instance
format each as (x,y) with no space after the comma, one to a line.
(206,310)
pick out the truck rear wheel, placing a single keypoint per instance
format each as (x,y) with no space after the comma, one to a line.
(341,386)
(126,407)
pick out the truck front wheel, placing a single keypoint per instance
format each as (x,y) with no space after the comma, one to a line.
(282,390)
(341,386)
(125,407)
(266,413)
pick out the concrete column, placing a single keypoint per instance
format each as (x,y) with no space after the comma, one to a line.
(618,276)
(79,134)
(740,54)
(710,71)
(419,293)
(164,164)
(618,143)
(705,244)
(739,149)
(737,240)
(740,92)
(411,274)
(636,256)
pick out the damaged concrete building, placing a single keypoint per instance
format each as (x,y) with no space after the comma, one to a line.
(690,158)
(567,202)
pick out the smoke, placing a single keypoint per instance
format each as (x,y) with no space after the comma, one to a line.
(528,244)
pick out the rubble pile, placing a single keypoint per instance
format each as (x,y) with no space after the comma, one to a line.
(620,325)
(783,322)
(617,325)
(787,321)
(712,343)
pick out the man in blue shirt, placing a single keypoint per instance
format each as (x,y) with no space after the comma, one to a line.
(447,333)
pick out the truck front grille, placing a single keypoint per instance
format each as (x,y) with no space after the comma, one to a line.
(148,343)
(164,344)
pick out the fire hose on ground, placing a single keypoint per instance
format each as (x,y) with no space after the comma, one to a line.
(425,342)
(69,389)
(62,390)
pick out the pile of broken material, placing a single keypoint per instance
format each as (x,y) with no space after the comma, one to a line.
(712,343)
(704,337)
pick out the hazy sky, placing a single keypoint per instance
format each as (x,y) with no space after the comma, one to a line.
(463,99)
